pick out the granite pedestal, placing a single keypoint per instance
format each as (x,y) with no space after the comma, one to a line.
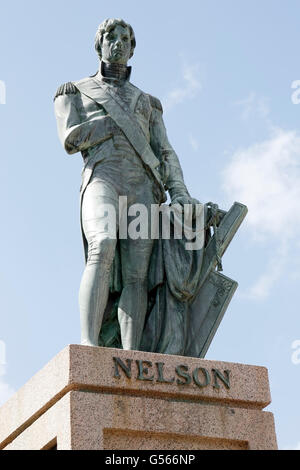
(101,398)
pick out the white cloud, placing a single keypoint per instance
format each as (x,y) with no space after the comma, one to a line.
(266,177)
(189,88)
(264,284)
(253,106)
(194,143)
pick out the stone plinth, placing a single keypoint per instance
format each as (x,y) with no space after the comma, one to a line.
(100,398)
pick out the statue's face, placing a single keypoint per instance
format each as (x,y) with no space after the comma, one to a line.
(116,45)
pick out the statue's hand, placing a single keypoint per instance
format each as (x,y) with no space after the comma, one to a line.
(186,200)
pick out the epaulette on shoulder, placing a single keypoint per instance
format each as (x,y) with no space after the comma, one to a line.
(155,103)
(66,89)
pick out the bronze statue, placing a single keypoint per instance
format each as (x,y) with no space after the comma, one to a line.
(135,293)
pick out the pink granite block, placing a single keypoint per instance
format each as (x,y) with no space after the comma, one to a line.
(122,387)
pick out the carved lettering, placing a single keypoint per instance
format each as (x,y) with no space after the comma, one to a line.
(225,379)
(200,376)
(126,369)
(143,371)
(182,371)
(206,377)
(160,370)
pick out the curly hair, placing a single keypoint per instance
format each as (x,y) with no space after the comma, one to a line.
(105,27)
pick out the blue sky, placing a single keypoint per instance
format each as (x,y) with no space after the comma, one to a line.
(224,71)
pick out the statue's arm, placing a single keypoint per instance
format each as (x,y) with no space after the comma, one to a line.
(171,168)
(75,135)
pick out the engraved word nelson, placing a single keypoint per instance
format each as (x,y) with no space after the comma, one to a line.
(147,371)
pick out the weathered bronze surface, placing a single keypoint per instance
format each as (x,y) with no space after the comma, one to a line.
(142,292)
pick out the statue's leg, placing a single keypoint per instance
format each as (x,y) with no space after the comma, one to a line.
(135,258)
(98,200)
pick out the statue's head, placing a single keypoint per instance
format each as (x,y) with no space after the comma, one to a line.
(115,41)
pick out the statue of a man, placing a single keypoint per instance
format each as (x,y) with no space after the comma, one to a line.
(120,133)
